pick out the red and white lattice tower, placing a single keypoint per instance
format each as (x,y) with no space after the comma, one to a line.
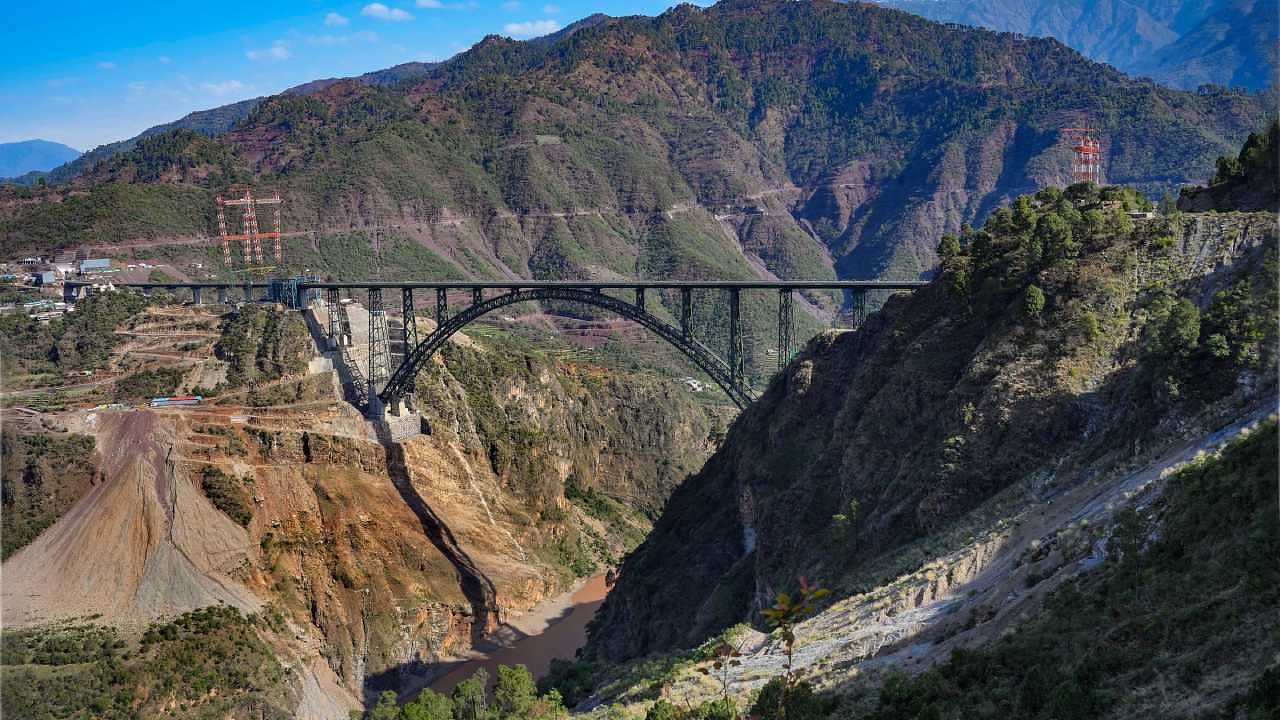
(252,236)
(1087,164)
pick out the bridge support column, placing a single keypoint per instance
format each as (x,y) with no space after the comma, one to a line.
(333,298)
(222,295)
(195,295)
(442,305)
(69,293)
(640,298)
(686,313)
(248,292)
(410,318)
(784,327)
(477,296)
(859,307)
(379,351)
(146,292)
(735,335)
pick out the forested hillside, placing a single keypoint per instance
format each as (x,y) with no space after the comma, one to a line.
(1060,339)
(753,137)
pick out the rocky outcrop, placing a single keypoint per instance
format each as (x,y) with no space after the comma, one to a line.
(937,404)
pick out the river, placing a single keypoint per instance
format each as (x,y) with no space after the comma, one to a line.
(554,628)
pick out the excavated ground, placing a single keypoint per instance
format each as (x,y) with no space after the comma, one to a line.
(388,563)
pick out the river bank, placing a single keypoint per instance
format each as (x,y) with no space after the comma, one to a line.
(554,628)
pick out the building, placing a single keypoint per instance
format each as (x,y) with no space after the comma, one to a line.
(94,265)
(44,277)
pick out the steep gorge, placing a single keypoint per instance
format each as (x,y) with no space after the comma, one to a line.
(387,561)
(967,391)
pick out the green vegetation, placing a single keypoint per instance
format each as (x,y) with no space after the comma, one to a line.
(81,340)
(1176,610)
(145,384)
(204,665)
(227,493)
(1255,162)
(44,474)
(262,344)
(514,697)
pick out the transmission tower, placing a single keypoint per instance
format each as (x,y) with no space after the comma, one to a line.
(1087,164)
(250,234)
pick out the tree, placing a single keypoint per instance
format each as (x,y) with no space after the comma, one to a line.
(1024,216)
(515,695)
(662,710)
(386,709)
(785,613)
(469,700)
(948,248)
(1032,301)
(1092,223)
(429,705)
(1119,223)
(1053,234)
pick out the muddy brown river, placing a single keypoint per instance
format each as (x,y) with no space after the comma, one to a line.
(555,629)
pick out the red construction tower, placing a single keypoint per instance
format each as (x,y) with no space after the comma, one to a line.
(251,236)
(1087,166)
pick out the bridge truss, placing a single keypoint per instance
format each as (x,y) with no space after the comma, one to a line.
(385,387)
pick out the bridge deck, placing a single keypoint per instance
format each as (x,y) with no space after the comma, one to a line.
(536,284)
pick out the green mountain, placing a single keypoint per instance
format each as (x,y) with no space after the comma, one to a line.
(753,137)
(1182,43)
(1062,344)
(20,158)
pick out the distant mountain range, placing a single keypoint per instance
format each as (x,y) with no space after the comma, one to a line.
(751,138)
(1182,43)
(20,158)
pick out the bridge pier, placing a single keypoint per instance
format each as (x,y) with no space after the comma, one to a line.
(195,295)
(442,305)
(735,335)
(410,318)
(640,298)
(859,307)
(477,296)
(784,327)
(70,293)
(686,312)
(222,295)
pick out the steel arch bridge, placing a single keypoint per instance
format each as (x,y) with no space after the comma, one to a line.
(728,375)
(384,387)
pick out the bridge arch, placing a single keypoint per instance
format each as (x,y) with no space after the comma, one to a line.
(401,381)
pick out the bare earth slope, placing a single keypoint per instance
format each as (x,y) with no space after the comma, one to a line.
(143,544)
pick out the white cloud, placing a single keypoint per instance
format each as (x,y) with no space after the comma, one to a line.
(429,4)
(222,89)
(382,12)
(58,82)
(164,60)
(550,9)
(333,19)
(107,66)
(531,28)
(368,36)
(138,86)
(278,51)
(511,5)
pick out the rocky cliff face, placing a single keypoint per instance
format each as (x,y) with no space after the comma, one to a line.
(945,398)
(534,470)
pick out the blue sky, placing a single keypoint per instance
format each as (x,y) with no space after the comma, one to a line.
(88,73)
